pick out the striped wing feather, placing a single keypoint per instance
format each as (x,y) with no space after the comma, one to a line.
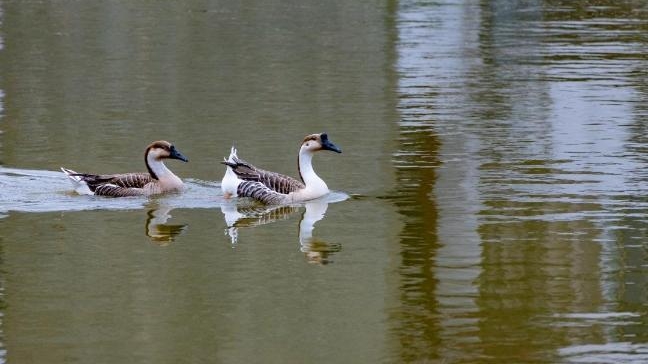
(117,191)
(132,180)
(276,182)
(260,192)
(116,185)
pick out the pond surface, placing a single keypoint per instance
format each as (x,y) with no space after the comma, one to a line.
(490,204)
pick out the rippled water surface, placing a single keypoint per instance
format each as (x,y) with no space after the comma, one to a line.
(489,205)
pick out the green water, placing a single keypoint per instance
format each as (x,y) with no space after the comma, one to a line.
(490,203)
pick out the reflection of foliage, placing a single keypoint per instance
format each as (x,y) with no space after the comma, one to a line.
(539,250)
(416,162)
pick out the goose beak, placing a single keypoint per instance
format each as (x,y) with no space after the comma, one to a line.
(174,154)
(327,145)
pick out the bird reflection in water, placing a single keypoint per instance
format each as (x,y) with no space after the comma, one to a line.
(157,228)
(316,251)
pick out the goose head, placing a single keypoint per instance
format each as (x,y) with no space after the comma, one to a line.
(163,150)
(316,142)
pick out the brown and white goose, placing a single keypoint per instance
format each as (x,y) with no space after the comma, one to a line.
(159,178)
(245,180)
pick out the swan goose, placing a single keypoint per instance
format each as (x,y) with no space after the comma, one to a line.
(159,178)
(245,180)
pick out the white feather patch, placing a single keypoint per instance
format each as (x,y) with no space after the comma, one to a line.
(230,181)
(78,183)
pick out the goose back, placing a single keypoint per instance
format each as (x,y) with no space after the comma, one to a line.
(116,185)
(127,180)
(274,182)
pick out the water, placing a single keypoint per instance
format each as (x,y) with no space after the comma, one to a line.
(490,204)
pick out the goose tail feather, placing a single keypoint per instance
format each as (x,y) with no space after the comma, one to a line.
(230,181)
(79,185)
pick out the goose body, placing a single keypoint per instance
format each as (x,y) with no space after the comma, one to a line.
(245,180)
(158,179)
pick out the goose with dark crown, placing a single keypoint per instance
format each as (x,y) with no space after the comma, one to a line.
(159,179)
(245,180)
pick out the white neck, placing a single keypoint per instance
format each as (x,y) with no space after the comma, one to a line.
(311,179)
(158,167)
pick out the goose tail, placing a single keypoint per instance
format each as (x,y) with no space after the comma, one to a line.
(232,157)
(79,185)
(230,181)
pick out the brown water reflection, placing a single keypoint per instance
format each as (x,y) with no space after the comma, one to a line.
(524,110)
(417,325)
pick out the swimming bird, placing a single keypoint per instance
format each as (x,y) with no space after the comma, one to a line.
(159,178)
(245,180)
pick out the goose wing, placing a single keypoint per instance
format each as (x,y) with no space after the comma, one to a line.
(128,180)
(260,192)
(111,190)
(132,180)
(116,185)
(276,182)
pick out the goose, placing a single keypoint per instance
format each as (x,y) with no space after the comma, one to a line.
(245,180)
(159,178)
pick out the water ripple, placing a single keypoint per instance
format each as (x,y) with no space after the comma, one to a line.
(522,151)
(42,191)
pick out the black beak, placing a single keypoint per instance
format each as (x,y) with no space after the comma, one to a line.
(327,145)
(174,154)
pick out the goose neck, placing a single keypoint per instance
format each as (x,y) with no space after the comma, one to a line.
(306,171)
(156,168)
